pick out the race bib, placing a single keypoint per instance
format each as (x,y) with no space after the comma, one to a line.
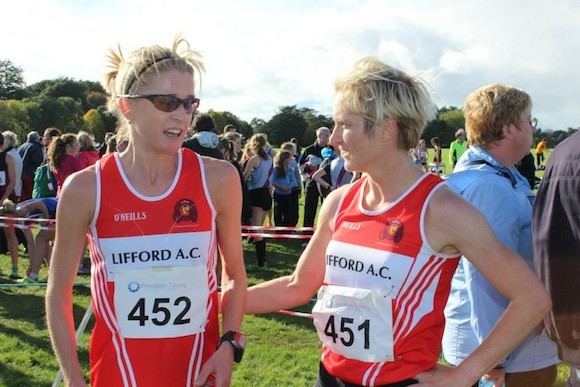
(161,302)
(355,323)
(2,178)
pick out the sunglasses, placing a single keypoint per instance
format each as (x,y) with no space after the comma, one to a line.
(167,103)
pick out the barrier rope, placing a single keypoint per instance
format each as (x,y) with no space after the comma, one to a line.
(38,284)
(29,223)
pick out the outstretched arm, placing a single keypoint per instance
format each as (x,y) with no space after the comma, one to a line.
(298,288)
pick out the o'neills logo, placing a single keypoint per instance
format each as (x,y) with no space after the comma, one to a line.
(130,216)
(393,230)
(185,210)
(350,225)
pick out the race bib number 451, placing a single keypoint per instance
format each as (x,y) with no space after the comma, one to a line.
(355,323)
(161,302)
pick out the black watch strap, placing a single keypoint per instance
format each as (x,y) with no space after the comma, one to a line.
(237,341)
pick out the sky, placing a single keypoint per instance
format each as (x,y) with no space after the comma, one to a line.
(260,55)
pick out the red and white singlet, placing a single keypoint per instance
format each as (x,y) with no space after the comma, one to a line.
(380,310)
(153,289)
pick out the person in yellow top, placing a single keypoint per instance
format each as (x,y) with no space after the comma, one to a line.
(540,149)
(457,147)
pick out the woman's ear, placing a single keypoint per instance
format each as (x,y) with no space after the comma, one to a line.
(388,130)
(125,106)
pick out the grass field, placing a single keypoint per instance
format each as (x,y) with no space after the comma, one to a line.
(281,351)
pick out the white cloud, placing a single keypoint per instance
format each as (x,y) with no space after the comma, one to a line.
(261,55)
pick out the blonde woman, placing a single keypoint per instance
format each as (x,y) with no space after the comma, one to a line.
(156,216)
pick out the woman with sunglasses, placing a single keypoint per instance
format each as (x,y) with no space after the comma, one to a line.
(154,215)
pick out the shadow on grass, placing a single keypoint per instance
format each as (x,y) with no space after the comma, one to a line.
(12,377)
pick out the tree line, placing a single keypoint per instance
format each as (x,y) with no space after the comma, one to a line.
(72,105)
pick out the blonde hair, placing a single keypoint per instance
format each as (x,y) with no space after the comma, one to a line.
(86,140)
(10,138)
(129,74)
(488,109)
(376,91)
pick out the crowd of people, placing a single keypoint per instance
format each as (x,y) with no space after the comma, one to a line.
(407,265)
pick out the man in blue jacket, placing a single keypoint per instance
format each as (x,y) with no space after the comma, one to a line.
(500,132)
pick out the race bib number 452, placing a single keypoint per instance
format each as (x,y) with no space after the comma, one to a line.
(355,323)
(161,302)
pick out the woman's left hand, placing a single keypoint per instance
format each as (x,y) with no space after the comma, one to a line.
(219,365)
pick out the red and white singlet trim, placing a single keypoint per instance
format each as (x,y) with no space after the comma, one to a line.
(381,317)
(153,288)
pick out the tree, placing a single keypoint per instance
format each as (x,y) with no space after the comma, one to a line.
(11,81)
(288,122)
(14,116)
(448,120)
(108,119)
(94,124)
(64,113)
(314,121)
(222,119)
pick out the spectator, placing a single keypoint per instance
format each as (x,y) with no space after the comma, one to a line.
(204,141)
(7,182)
(10,145)
(540,149)
(258,175)
(104,145)
(229,128)
(331,174)
(236,138)
(88,154)
(457,147)
(437,159)
(556,231)
(385,249)
(293,215)
(308,165)
(32,156)
(527,169)
(283,181)
(231,154)
(500,131)
(49,134)
(423,154)
(38,250)
(13,236)
(62,155)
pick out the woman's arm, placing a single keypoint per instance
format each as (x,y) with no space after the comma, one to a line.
(471,235)
(318,177)
(226,195)
(74,214)
(252,163)
(298,288)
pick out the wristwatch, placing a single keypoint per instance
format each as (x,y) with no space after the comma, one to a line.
(238,342)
